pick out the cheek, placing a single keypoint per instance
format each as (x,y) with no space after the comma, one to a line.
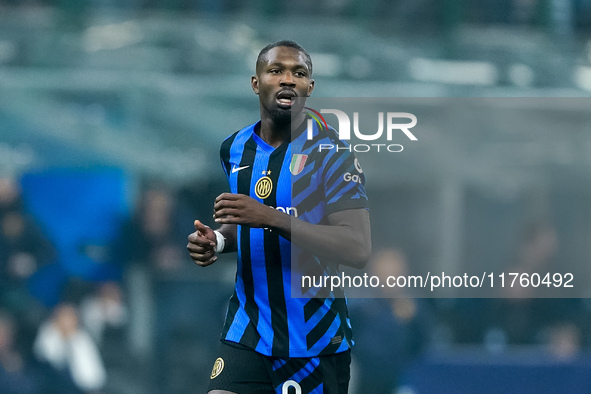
(263,87)
(266,82)
(268,94)
(303,91)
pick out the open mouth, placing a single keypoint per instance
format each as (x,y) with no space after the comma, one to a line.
(284,98)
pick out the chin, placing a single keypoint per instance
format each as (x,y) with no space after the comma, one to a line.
(281,115)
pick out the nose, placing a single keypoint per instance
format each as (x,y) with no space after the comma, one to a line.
(287,79)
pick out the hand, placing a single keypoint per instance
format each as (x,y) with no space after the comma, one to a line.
(241,209)
(202,245)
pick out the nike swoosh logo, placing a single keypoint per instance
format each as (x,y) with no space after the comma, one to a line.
(236,169)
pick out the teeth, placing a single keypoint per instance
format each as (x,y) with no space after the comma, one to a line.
(285,101)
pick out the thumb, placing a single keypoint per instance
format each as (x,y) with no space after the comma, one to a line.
(202,228)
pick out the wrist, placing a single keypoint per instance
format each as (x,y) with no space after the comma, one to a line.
(220,242)
(280,221)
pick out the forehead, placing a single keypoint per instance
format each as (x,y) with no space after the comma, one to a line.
(285,55)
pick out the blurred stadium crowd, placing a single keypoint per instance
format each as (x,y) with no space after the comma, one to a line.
(110,120)
(151,323)
(70,333)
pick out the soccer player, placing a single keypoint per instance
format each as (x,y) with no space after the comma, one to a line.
(272,341)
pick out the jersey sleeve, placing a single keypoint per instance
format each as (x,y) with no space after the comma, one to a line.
(344,181)
(225,155)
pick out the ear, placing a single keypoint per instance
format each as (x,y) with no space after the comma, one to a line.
(254,83)
(310,87)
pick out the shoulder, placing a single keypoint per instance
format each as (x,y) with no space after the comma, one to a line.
(326,135)
(239,134)
(330,147)
(324,142)
(238,137)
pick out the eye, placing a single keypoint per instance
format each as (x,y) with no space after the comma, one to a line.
(274,71)
(300,73)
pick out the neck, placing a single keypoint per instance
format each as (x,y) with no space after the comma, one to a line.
(274,133)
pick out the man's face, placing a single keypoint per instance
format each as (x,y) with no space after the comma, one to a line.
(283,75)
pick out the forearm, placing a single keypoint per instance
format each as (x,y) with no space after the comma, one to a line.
(347,243)
(229,232)
(345,238)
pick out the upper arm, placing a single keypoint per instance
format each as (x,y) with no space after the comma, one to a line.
(347,204)
(343,182)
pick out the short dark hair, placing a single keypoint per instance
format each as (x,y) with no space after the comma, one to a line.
(289,44)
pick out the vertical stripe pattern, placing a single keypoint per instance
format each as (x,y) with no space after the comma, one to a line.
(296,179)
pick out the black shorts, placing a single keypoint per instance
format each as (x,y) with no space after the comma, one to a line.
(242,370)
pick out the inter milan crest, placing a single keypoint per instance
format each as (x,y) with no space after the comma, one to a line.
(218,367)
(263,187)
(298,162)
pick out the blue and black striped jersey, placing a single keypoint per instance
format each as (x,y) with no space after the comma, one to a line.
(302,180)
